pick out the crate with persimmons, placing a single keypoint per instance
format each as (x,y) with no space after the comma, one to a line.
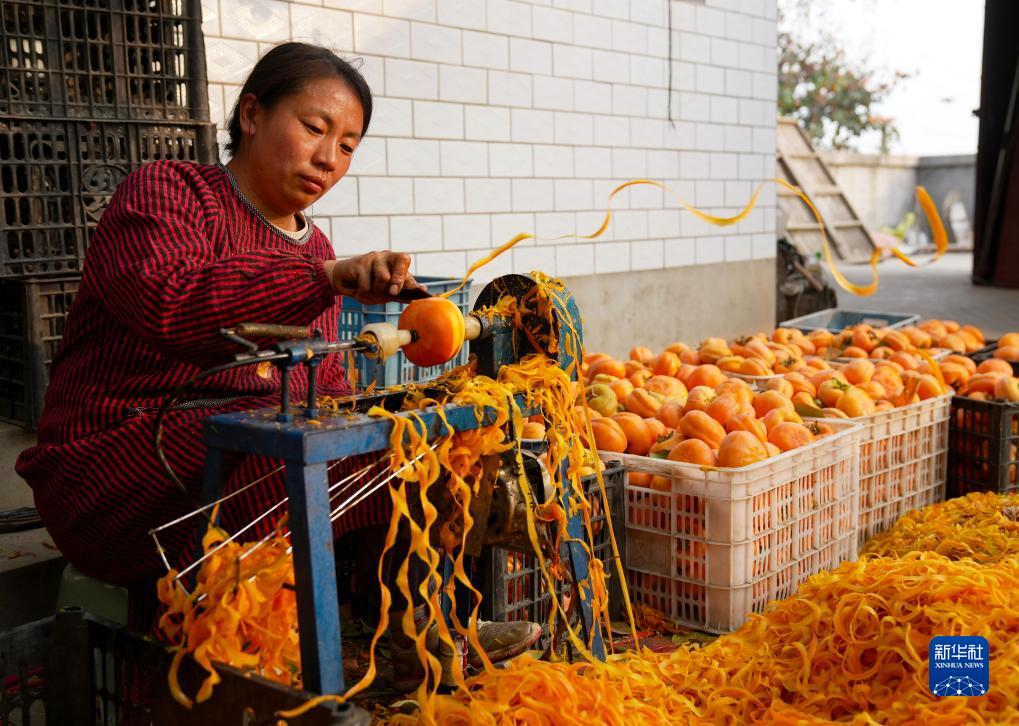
(708,545)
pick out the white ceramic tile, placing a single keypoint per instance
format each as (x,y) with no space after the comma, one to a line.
(339,201)
(530,56)
(462,14)
(357,235)
(680,252)
(507,226)
(574,194)
(533,195)
(574,128)
(439,196)
(592,31)
(510,160)
(438,120)
(410,9)
(466,85)
(465,231)
(486,123)
(463,158)
(647,254)
(529,259)
(229,61)
(449,265)
(510,18)
(210,18)
(555,227)
(553,93)
(485,50)
(411,79)
(392,117)
(574,260)
(629,37)
(369,158)
(435,43)
(509,89)
(262,20)
(532,126)
(323,26)
(552,24)
(488,195)
(592,97)
(363,6)
(611,257)
(709,250)
(610,66)
(413,157)
(389,37)
(553,161)
(415,233)
(384,195)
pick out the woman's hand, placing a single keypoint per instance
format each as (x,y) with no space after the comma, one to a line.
(372,278)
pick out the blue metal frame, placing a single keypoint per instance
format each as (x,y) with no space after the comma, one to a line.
(306,448)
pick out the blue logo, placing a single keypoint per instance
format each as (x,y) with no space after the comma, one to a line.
(959,665)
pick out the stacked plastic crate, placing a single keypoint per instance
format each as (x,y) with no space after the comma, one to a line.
(88,92)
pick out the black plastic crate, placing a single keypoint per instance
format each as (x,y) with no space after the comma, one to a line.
(987,352)
(103,59)
(31,327)
(56,178)
(76,669)
(983,447)
(512,585)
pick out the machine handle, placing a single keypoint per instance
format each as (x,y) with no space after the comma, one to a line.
(269,330)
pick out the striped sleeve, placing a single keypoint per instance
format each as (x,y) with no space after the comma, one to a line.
(161,275)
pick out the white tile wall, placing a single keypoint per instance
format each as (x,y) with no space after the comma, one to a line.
(494,117)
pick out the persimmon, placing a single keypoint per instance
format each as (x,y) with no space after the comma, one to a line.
(754,367)
(667,386)
(678,347)
(864,337)
(730,363)
(772,449)
(983,383)
(883,405)
(805,345)
(785,335)
(712,349)
(641,353)
(953,342)
(699,425)
(855,403)
(440,330)
(831,390)
(706,375)
(608,435)
(665,364)
(760,350)
(608,367)
(919,338)
(788,365)
(532,430)
(873,389)
(881,353)
(1007,352)
(821,338)
(961,360)
(622,387)
(656,428)
(665,443)
(908,361)
(644,403)
(995,365)
(800,383)
(955,375)
(854,351)
(929,387)
(690,357)
(740,448)
(788,436)
(782,385)
(632,366)
(639,378)
(859,371)
(747,422)
(693,451)
(723,407)
(1009,340)
(805,400)
(670,413)
(776,416)
(768,400)
(832,412)
(638,436)
(638,479)
(895,339)
(699,398)
(683,374)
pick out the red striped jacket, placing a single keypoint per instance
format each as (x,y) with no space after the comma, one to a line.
(177,255)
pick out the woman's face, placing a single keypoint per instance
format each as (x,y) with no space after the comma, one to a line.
(298,149)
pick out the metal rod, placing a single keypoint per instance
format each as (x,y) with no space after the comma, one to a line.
(252,523)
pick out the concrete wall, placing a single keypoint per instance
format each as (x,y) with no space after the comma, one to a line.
(495,117)
(881,188)
(686,304)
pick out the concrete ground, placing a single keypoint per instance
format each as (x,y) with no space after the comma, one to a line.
(941,290)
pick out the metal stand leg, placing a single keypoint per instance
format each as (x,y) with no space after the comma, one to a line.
(590,627)
(318,614)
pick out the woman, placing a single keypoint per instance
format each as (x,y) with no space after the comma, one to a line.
(182,251)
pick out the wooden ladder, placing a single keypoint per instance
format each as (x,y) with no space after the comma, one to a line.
(800,165)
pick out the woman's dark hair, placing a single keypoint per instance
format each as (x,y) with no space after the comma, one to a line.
(284,70)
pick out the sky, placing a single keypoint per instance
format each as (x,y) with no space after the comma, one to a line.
(938,42)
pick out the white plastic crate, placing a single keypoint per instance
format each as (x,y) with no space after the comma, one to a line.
(722,543)
(903,462)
